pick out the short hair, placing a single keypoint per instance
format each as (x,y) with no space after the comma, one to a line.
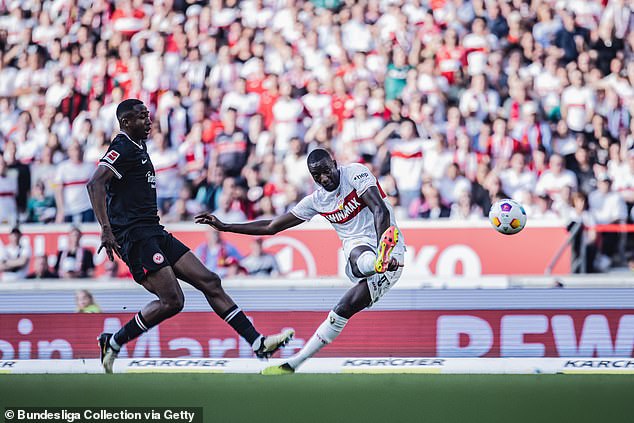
(126,106)
(317,155)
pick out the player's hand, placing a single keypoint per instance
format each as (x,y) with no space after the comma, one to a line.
(211,220)
(110,244)
(394,265)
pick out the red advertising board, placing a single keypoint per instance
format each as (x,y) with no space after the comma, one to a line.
(435,249)
(459,333)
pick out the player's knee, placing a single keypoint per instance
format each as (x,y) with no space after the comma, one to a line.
(344,310)
(212,283)
(173,305)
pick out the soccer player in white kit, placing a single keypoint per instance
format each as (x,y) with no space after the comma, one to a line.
(350,198)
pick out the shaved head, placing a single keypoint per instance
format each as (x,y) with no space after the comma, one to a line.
(317,155)
(126,106)
(134,119)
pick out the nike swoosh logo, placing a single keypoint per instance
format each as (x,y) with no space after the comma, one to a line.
(144,161)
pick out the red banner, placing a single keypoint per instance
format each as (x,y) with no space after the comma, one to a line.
(432,250)
(463,333)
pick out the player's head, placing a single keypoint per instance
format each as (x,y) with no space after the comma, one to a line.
(323,169)
(134,118)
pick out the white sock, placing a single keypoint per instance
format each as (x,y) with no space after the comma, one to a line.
(114,344)
(365,263)
(324,335)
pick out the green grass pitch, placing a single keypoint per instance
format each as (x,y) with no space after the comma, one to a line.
(342,398)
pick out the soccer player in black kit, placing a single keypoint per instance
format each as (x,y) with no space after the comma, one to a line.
(123,195)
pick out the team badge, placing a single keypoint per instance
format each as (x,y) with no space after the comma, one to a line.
(111,157)
(340,204)
(158,258)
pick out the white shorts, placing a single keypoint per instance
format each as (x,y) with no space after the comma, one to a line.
(378,283)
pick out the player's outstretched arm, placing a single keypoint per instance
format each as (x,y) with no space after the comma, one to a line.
(97,193)
(256,227)
(372,197)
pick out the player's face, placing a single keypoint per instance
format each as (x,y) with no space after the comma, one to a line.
(325,173)
(139,123)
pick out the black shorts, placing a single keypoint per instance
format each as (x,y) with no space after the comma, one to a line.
(152,254)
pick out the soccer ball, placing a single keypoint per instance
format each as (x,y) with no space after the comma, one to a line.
(507,217)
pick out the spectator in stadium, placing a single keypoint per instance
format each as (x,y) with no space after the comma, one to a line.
(553,181)
(41,269)
(530,132)
(22,173)
(184,208)
(517,178)
(73,260)
(228,210)
(231,145)
(464,209)
(215,252)
(607,207)
(582,167)
(208,192)
(234,268)
(86,302)
(166,161)
(40,207)
(584,243)
(295,164)
(433,207)
(453,184)
(15,256)
(73,204)
(577,103)
(8,193)
(258,262)
(406,157)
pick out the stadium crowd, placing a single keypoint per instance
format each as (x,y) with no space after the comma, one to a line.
(453,104)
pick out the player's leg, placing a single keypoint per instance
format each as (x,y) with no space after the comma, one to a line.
(151,270)
(164,285)
(354,300)
(366,292)
(191,270)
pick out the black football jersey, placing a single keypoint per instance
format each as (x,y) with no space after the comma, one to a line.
(131,194)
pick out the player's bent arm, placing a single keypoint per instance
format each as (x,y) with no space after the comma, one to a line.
(372,198)
(257,227)
(97,193)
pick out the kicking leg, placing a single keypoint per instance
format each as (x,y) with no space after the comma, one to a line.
(191,270)
(354,300)
(361,266)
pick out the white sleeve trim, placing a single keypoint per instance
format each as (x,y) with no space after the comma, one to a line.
(299,217)
(374,184)
(117,174)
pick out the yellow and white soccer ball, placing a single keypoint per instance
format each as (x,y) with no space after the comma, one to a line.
(507,217)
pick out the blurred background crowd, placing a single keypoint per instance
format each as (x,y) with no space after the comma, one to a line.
(453,104)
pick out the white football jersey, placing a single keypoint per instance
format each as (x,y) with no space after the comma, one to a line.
(344,208)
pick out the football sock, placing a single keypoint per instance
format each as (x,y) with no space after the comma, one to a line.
(130,331)
(324,335)
(241,324)
(365,263)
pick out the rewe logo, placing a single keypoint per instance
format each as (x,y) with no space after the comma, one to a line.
(517,335)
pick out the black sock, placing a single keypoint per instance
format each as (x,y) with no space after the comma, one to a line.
(241,324)
(133,329)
